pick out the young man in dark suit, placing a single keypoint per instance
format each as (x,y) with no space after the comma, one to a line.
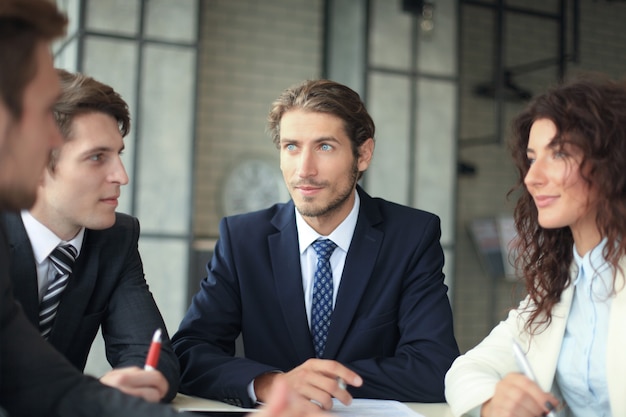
(76,201)
(386,329)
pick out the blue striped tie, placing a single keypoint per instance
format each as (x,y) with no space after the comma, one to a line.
(322,305)
(62,258)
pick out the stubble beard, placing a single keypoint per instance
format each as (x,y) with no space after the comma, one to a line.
(334,205)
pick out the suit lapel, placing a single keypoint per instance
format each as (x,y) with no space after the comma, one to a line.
(23,268)
(547,344)
(616,342)
(357,271)
(285,259)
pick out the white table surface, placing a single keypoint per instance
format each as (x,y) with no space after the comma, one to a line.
(188,402)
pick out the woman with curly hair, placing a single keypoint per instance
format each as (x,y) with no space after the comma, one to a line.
(569,147)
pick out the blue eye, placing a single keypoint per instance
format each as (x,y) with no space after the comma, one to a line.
(326,147)
(290,147)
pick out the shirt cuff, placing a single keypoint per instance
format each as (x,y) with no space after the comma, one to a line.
(251,392)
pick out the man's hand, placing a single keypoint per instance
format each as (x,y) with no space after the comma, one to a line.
(516,395)
(283,402)
(316,381)
(149,385)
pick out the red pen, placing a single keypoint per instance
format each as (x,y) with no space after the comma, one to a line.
(153,354)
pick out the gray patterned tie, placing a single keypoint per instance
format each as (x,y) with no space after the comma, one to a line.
(62,258)
(322,305)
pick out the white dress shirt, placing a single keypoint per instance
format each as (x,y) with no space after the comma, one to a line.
(43,242)
(342,236)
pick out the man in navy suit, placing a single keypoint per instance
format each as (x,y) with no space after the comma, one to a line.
(390,334)
(76,201)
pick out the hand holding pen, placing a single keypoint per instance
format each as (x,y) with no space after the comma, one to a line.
(526,369)
(517,394)
(152,360)
(147,383)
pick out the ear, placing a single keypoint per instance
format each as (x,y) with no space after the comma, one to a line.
(366,151)
(47,175)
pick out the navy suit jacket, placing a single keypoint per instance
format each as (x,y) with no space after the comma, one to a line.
(392,321)
(107,288)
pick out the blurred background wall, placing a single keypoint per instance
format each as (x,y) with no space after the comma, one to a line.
(441,78)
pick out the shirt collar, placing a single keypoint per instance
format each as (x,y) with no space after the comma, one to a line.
(591,263)
(43,240)
(342,235)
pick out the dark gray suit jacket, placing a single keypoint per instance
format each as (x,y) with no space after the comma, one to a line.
(37,381)
(107,288)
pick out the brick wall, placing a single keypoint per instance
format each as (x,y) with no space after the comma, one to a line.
(250,51)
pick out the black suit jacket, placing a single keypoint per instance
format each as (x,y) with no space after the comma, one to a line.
(392,321)
(37,381)
(107,288)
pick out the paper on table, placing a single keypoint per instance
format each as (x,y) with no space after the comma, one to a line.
(373,408)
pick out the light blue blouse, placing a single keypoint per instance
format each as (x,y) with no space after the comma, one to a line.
(581,368)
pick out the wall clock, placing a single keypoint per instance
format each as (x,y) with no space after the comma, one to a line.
(253,184)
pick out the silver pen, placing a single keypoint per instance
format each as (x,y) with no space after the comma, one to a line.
(524,365)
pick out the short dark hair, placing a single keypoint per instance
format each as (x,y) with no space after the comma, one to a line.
(23,24)
(324,96)
(81,94)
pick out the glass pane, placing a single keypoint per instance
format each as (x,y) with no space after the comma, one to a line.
(437,48)
(390,35)
(165,263)
(72,9)
(166,139)
(346,44)
(66,55)
(172,20)
(436,152)
(113,16)
(389,101)
(114,62)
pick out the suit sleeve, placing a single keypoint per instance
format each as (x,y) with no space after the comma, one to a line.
(133,316)
(92,399)
(33,376)
(205,340)
(37,381)
(426,346)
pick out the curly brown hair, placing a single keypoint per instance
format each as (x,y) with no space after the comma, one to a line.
(589,113)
